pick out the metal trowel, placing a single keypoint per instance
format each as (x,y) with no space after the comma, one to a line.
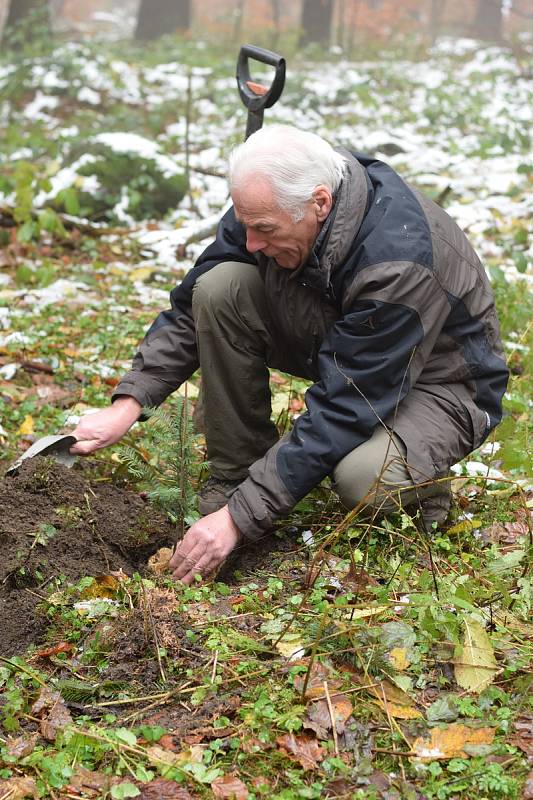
(57,447)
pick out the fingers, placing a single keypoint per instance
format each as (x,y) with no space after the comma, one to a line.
(84,447)
(205,546)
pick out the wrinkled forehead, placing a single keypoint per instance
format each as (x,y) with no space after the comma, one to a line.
(254,199)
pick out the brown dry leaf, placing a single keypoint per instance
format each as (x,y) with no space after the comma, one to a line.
(55,395)
(21,746)
(58,718)
(230,787)
(18,788)
(475,665)
(92,784)
(46,699)
(527,791)
(303,748)
(318,717)
(162,789)
(523,737)
(450,742)
(167,741)
(315,684)
(58,715)
(61,647)
(158,563)
(396,702)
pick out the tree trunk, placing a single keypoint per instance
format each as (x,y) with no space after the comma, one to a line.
(157,17)
(435,17)
(33,12)
(316,21)
(488,20)
(276,19)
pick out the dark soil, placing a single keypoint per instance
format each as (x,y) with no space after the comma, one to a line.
(97,528)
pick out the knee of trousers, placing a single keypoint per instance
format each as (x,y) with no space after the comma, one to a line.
(373,474)
(225,286)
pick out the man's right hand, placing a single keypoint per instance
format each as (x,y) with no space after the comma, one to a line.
(105,427)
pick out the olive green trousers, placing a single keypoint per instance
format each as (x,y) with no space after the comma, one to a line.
(238,340)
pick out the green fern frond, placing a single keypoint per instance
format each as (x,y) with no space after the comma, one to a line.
(170,481)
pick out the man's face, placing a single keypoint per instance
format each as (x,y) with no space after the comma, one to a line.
(271,230)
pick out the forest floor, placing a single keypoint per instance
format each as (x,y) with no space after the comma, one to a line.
(338,657)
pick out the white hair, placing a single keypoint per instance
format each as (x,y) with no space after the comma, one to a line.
(294,163)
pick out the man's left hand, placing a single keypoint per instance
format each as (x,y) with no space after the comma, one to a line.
(205,546)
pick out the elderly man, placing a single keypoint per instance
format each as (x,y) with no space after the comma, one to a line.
(330,267)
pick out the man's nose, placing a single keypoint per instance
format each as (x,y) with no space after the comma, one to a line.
(254,241)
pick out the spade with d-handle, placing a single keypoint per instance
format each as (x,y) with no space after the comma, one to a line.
(255,96)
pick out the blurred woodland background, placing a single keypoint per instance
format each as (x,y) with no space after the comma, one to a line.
(337,23)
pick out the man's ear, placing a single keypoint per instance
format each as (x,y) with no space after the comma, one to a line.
(323,200)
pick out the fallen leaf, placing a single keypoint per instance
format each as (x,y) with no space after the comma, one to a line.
(21,746)
(229,786)
(314,685)
(318,716)
(169,743)
(475,665)
(159,755)
(18,788)
(91,784)
(450,742)
(398,658)
(395,701)
(103,586)
(58,716)
(527,791)
(158,563)
(291,646)
(523,737)
(465,526)
(54,395)
(141,273)
(303,748)
(26,427)
(61,647)
(162,789)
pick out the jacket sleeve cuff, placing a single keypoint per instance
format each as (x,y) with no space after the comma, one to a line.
(148,392)
(261,499)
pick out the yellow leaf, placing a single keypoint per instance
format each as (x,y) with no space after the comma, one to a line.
(465,526)
(362,613)
(141,273)
(450,742)
(399,658)
(26,427)
(291,646)
(105,586)
(395,701)
(475,665)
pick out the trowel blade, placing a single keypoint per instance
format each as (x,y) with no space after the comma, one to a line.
(56,446)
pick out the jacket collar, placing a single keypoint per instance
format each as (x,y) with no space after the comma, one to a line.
(342,225)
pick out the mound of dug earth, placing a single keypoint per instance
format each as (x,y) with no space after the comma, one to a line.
(56,522)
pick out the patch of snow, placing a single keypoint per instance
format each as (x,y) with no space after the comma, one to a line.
(34,109)
(56,292)
(8,371)
(17,337)
(87,95)
(145,148)
(478,469)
